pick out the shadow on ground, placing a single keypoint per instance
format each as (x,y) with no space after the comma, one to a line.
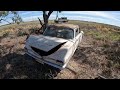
(81,56)
(113,52)
(17,66)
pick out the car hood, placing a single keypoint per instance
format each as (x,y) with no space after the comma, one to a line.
(45,43)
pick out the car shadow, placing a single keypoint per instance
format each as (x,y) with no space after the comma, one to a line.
(112,52)
(80,56)
(18,66)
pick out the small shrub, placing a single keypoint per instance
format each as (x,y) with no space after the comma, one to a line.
(6,34)
(33,30)
(114,36)
(105,45)
(20,33)
(117,65)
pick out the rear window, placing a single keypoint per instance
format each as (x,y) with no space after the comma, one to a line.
(66,33)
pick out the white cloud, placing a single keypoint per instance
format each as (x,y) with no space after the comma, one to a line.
(31,18)
(25,13)
(75,17)
(94,13)
(86,18)
(107,17)
(36,17)
(104,14)
(29,12)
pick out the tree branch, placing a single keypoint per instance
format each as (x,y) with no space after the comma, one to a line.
(5,21)
(1,20)
(44,16)
(49,13)
(40,21)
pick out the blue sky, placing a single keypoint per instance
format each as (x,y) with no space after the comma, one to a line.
(107,17)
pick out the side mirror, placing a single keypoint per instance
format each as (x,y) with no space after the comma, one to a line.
(82,32)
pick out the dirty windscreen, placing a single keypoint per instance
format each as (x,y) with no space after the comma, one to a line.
(59,32)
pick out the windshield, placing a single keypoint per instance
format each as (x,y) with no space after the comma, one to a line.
(65,33)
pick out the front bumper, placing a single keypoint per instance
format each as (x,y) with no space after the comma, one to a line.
(42,61)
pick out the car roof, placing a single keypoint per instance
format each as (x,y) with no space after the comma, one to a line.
(72,26)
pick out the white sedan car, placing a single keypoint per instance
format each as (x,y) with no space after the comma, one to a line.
(56,45)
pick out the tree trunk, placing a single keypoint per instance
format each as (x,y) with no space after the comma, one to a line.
(40,22)
(5,21)
(45,19)
(45,24)
(57,15)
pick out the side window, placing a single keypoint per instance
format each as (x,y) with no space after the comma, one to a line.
(76,32)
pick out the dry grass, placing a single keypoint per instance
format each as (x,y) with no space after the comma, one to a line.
(98,54)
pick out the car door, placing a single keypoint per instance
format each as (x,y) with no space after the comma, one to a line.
(76,38)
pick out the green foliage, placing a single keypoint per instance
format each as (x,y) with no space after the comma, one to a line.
(6,34)
(33,30)
(109,35)
(4,13)
(16,18)
(20,33)
(105,45)
(114,36)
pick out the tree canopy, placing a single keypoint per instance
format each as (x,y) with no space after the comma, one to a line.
(16,18)
(46,15)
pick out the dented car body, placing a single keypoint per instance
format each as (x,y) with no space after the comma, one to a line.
(56,46)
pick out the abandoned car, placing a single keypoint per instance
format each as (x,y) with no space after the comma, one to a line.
(56,45)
